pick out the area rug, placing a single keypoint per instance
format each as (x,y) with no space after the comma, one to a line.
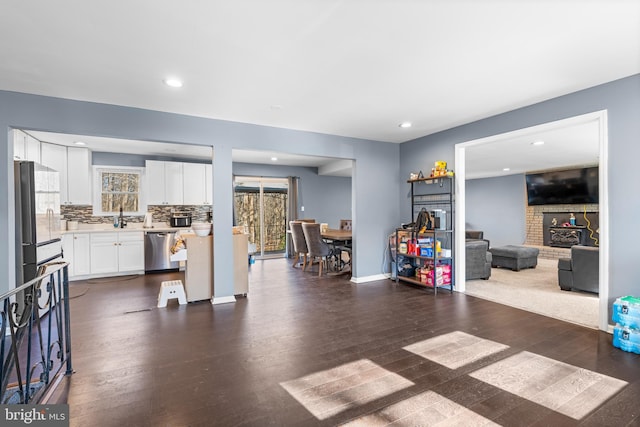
(536,290)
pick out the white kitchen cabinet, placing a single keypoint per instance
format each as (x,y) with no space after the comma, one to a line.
(81,254)
(117,252)
(54,156)
(164,182)
(25,147)
(76,250)
(19,145)
(79,176)
(173,183)
(154,177)
(130,251)
(208,184)
(104,253)
(74,166)
(67,252)
(195,184)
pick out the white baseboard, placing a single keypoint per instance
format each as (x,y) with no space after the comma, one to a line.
(222,300)
(373,278)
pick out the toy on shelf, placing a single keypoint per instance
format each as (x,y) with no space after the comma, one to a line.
(440,169)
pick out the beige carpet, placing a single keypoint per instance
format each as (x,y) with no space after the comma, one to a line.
(536,290)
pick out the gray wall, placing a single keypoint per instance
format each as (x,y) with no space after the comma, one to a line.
(374,183)
(621,98)
(497,207)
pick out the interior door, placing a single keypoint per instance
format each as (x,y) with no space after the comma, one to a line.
(261,207)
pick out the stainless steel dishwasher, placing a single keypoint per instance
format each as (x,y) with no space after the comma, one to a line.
(157,252)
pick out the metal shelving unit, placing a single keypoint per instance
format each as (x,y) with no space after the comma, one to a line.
(436,195)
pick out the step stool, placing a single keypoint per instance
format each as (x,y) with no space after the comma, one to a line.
(169,290)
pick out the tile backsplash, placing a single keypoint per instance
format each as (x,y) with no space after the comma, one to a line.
(84,214)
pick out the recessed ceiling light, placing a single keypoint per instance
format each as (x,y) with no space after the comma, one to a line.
(506,169)
(173,82)
(80,143)
(537,143)
(405,125)
(274,159)
(276,107)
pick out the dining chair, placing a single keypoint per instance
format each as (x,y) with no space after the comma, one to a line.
(318,248)
(299,243)
(345,224)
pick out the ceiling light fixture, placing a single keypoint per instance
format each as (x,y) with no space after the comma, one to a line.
(405,125)
(537,143)
(80,143)
(172,82)
(506,169)
(274,159)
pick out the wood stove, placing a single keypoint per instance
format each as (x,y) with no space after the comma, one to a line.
(557,231)
(565,237)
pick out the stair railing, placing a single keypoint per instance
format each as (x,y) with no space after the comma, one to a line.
(35,336)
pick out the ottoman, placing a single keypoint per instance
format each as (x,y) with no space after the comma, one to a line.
(514,257)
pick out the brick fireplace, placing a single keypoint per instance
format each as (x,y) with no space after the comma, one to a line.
(540,226)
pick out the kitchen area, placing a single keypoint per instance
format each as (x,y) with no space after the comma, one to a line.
(121,214)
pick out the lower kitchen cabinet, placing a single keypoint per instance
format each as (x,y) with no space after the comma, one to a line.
(75,247)
(117,252)
(130,251)
(103,254)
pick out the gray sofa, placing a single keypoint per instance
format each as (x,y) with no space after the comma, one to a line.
(475,235)
(478,260)
(581,271)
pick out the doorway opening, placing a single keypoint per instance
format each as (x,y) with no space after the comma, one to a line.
(600,119)
(260,206)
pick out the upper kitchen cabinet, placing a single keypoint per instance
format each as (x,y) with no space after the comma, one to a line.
(74,166)
(164,182)
(208,184)
(25,147)
(197,183)
(79,176)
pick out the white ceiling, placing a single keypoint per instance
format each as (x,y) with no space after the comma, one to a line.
(571,146)
(354,68)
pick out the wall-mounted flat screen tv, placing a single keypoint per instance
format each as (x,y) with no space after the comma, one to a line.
(560,187)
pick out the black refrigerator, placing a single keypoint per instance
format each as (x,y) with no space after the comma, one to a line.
(37,216)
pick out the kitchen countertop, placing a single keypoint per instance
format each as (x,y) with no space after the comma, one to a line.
(131,227)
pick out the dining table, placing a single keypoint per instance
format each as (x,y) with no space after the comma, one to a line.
(336,235)
(340,241)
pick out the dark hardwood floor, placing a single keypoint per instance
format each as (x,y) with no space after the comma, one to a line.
(302,350)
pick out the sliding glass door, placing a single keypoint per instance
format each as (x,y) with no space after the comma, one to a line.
(261,207)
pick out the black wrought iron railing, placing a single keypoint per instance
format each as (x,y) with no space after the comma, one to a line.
(36,336)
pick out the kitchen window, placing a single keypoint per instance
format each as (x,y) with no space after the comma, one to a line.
(117,188)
